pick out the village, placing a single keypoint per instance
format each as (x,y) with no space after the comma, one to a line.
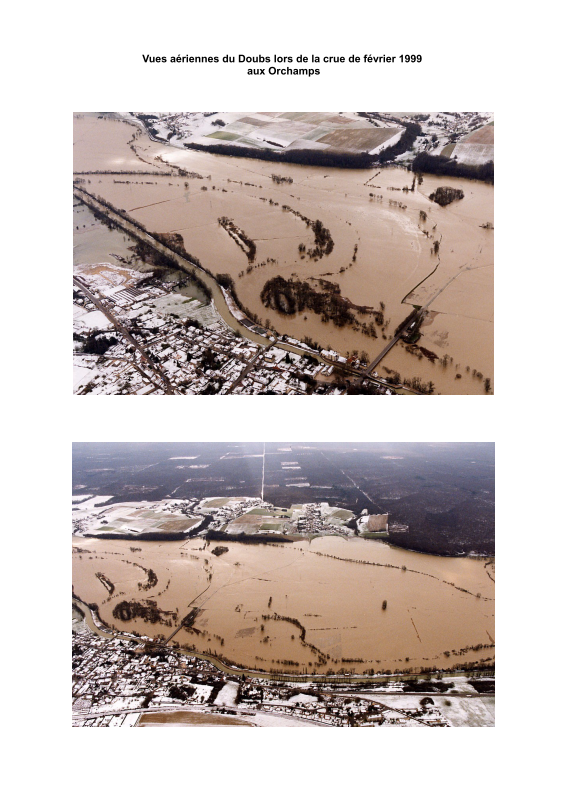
(152,340)
(118,681)
(209,517)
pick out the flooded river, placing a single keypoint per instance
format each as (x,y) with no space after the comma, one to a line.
(98,247)
(255,600)
(383,246)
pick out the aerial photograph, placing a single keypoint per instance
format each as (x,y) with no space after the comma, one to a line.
(276,253)
(283,584)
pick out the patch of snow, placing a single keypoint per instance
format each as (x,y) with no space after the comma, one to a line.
(90,503)
(227,694)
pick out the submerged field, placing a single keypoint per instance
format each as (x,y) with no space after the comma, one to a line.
(383,256)
(304,607)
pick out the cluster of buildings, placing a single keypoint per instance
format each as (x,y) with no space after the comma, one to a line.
(442,128)
(115,681)
(113,676)
(304,520)
(168,343)
(312,521)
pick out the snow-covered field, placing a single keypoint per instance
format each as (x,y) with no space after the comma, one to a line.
(473,153)
(83,371)
(202,693)
(468,712)
(387,144)
(264,720)
(176,304)
(302,698)
(278,130)
(89,504)
(227,694)
(83,320)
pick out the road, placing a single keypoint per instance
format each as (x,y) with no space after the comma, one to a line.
(181,626)
(387,348)
(126,334)
(423,309)
(247,369)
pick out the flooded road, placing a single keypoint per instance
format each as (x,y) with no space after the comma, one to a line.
(383,246)
(301,607)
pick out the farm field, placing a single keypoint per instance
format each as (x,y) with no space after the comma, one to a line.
(383,250)
(132,521)
(187,719)
(254,524)
(477,148)
(324,130)
(359,139)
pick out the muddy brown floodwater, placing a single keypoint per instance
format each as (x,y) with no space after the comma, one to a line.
(437,608)
(394,263)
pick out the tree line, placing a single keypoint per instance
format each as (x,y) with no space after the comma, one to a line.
(443,166)
(227,282)
(313,158)
(239,236)
(405,143)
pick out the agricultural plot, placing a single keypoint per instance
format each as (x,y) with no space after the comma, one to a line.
(309,117)
(251,524)
(339,514)
(221,501)
(306,130)
(225,135)
(448,150)
(281,512)
(477,148)
(374,526)
(124,520)
(308,145)
(482,136)
(378,523)
(253,121)
(239,127)
(359,139)
(318,134)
